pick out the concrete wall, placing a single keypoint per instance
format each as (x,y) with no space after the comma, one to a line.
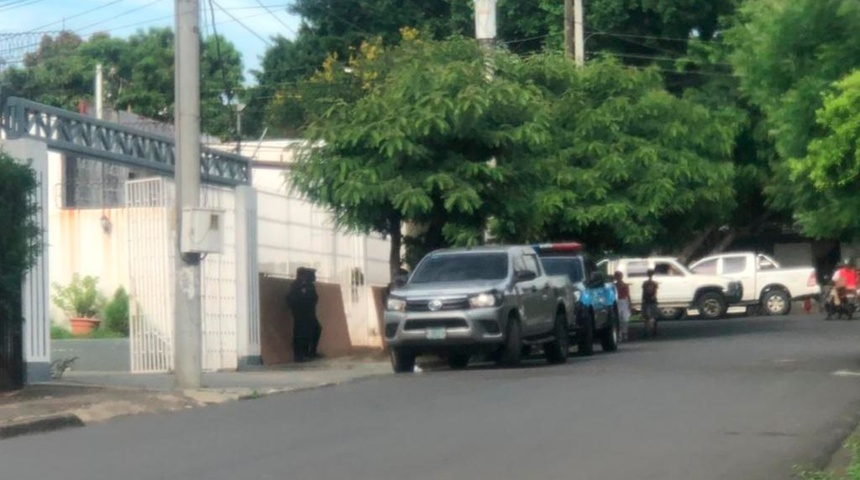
(78,243)
(276,321)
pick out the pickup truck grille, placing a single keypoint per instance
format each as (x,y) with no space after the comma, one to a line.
(426,323)
(449,304)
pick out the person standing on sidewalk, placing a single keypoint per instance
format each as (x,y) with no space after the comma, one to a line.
(303,303)
(623,290)
(649,304)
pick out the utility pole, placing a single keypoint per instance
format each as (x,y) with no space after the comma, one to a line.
(485,31)
(100,112)
(240,107)
(188,365)
(579,32)
(574,31)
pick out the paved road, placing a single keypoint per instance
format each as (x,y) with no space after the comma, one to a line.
(734,399)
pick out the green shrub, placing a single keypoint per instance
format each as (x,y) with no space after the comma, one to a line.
(60,333)
(81,298)
(20,240)
(115,315)
(103,332)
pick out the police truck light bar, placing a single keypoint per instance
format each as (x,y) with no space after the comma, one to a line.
(566,247)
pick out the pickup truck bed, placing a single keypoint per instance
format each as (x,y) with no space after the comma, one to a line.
(765,282)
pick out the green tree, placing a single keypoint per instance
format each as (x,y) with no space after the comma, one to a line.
(831,169)
(416,147)
(604,154)
(20,237)
(787,54)
(139,75)
(630,164)
(640,32)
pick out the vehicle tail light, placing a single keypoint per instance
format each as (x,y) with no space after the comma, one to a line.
(812,282)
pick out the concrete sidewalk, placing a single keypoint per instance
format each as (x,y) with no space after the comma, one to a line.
(80,398)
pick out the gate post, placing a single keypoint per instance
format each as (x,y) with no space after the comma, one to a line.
(247,278)
(35,290)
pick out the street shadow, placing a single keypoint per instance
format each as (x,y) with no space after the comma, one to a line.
(721,328)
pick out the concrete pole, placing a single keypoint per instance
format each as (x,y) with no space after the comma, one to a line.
(100,112)
(569,43)
(485,31)
(579,32)
(188,366)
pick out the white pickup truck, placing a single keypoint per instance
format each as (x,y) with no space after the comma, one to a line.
(679,288)
(765,283)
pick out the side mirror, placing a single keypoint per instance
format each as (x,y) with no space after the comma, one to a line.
(525,276)
(401,280)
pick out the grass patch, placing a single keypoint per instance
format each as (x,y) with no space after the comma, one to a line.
(60,333)
(849,472)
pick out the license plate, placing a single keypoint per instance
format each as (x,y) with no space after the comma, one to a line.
(436,333)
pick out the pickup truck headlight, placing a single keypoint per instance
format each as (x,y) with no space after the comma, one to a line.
(484,300)
(577,295)
(395,304)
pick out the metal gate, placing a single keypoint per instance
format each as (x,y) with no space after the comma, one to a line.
(151,275)
(218,287)
(152,254)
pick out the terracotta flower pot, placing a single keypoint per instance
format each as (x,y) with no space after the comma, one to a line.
(83,326)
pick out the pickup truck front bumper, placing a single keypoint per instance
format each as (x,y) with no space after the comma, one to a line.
(445,329)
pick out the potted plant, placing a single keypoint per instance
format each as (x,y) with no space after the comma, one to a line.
(82,302)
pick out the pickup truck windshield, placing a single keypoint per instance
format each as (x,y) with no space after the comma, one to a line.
(462,267)
(564,267)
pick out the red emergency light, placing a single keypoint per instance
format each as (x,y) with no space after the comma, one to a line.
(564,247)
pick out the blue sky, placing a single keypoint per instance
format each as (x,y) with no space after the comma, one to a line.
(247,23)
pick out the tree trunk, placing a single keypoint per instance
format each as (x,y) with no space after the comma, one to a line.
(693,247)
(727,240)
(396,243)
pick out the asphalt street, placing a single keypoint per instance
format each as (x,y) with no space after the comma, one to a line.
(744,398)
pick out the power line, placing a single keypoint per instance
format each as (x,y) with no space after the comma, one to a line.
(63,21)
(649,57)
(241,23)
(277,18)
(127,12)
(18,4)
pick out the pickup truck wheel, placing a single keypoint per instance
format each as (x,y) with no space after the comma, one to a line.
(711,305)
(585,335)
(776,302)
(557,350)
(459,361)
(402,361)
(609,334)
(512,351)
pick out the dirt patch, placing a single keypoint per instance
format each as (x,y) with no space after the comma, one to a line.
(38,392)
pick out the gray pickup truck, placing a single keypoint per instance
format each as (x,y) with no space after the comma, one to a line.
(496,300)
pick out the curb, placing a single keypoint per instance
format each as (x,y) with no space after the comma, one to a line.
(40,425)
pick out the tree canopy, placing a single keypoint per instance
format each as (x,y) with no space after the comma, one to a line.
(603,153)
(789,55)
(139,75)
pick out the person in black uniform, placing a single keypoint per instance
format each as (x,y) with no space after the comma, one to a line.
(307,330)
